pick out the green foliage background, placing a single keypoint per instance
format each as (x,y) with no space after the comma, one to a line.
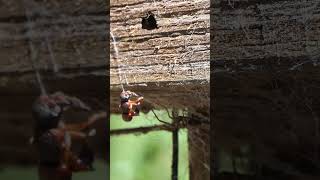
(146,156)
(141,157)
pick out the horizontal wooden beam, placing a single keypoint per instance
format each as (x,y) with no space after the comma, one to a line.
(140,130)
(177,51)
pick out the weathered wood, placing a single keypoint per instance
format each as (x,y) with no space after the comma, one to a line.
(266,75)
(14,10)
(70,34)
(70,39)
(199,148)
(190,95)
(269,32)
(178,50)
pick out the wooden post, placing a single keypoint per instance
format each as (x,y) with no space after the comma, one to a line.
(175,154)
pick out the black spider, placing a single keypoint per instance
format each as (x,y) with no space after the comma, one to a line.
(149,22)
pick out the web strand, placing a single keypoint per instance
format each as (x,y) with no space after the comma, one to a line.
(116,55)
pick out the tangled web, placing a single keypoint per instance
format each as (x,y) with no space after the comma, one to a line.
(169,65)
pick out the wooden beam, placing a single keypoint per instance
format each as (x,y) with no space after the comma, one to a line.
(140,130)
(177,51)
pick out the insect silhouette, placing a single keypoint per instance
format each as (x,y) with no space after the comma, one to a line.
(149,22)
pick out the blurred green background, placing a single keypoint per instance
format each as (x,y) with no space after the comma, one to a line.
(145,156)
(30,173)
(142,157)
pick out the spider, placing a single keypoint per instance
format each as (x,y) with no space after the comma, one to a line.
(149,22)
(128,106)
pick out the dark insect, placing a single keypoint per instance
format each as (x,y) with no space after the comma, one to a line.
(149,22)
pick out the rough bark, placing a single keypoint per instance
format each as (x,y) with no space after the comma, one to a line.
(69,34)
(199,156)
(264,35)
(266,77)
(178,50)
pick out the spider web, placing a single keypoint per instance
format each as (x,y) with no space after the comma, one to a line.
(177,53)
